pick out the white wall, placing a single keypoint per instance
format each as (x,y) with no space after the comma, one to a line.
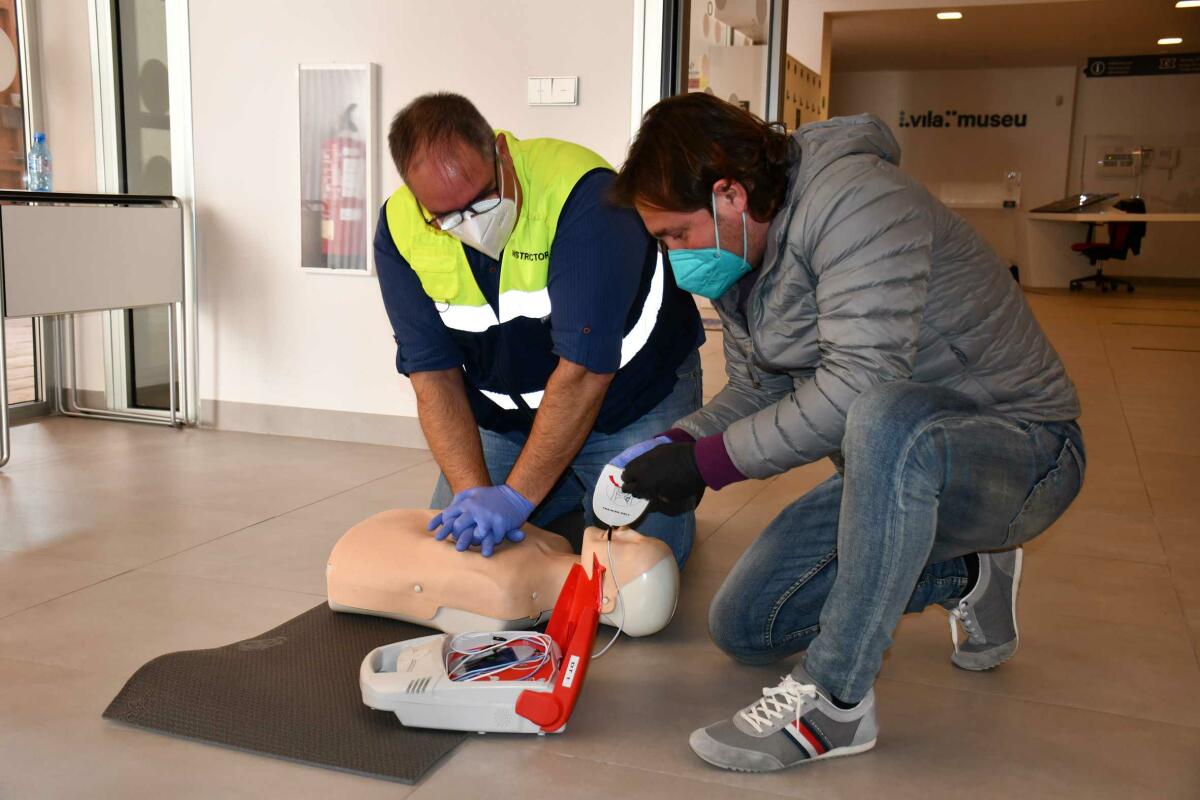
(955,154)
(1156,111)
(271,334)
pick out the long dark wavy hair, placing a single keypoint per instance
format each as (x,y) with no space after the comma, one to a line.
(689,142)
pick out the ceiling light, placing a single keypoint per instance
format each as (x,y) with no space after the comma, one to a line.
(1170,40)
(958,14)
(1188,4)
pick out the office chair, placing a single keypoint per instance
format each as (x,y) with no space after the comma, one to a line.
(1123,238)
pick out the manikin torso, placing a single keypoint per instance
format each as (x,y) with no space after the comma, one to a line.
(390,565)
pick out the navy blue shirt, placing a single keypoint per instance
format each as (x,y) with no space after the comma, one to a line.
(596,274)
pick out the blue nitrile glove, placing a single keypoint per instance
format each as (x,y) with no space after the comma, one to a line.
(633,451)
(485,515)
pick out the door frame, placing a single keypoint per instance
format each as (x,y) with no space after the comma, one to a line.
(660,53)
(32,110)
(116,333)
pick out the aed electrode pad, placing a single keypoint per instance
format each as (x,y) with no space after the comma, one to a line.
(611,504)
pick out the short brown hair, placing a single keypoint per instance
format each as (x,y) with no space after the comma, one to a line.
(689,142)
(436,120)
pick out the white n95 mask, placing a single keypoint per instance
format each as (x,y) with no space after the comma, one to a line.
(489,231)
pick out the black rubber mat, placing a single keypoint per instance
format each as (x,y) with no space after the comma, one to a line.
(291,693)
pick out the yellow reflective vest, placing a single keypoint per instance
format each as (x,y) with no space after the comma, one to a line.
(547,170)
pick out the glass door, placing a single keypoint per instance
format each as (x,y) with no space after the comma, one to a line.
(21,345)
(733,49)
(145,143)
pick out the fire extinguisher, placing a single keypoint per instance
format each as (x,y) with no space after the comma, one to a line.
(343,196)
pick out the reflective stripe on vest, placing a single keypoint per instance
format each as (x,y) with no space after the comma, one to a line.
(502,400)
(639,334)
(516,303)
(473,319)
(631,345)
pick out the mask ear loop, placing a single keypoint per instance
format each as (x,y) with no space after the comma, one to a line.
(500,167)
(745,239)
(716,227)
(745,230)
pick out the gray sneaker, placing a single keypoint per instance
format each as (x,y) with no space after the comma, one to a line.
(988,613)
(793,723)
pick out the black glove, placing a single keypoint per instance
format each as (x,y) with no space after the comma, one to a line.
(668,477)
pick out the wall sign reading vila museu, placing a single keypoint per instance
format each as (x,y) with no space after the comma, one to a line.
(953,119)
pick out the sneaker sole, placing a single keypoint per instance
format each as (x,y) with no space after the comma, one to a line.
(835,753)
(990,659)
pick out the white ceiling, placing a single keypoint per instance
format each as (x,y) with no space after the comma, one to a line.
(1028,35)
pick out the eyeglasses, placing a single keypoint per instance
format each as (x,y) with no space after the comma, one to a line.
(481,205)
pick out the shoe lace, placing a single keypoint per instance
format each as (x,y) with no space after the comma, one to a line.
(963,615)
(788,696)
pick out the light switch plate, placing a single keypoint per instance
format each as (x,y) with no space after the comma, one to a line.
(565,91)
(560,91)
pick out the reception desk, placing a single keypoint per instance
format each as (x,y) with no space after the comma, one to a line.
(1047,260)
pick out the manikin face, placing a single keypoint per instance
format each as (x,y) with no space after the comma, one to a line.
(453,178)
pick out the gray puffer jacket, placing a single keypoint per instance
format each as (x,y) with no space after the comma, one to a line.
(868,279)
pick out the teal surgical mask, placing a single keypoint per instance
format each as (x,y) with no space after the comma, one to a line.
(710,271)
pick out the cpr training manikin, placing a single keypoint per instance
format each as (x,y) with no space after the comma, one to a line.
(485,672)
(391,566)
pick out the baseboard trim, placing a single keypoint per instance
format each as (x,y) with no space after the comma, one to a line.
(1158,281)
(312,423)
(91,398)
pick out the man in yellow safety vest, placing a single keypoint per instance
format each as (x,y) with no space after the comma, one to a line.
(538,322)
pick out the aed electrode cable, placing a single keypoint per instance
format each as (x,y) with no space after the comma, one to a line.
(620,600)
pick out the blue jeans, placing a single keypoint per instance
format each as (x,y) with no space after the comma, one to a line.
(930,475)
(574,489)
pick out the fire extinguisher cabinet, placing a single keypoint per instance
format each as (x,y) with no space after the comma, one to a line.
(337,120)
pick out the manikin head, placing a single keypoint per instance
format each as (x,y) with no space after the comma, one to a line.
(390,565)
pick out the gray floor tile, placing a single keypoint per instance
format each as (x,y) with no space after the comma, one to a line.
(281,553)
(411,487)
(119,624)
(1132,537)
(1181,539)
(1171,482)
(27,579)
(480,768)
(1131,670)
(54,744)
(1102,589)
(111,529)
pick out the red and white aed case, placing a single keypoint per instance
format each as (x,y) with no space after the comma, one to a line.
(503,681)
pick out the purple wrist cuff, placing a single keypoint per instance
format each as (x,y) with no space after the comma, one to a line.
(716,467)
(678,435)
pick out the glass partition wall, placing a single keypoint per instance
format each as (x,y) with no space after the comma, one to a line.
(145,134)
(21,345)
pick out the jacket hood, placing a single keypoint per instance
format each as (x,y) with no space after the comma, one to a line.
(822,143)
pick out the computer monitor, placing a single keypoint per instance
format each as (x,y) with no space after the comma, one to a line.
(1074,203)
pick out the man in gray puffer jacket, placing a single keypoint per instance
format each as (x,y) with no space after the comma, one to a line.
(864,322)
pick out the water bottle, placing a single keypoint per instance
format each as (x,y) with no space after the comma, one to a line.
(41,172)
